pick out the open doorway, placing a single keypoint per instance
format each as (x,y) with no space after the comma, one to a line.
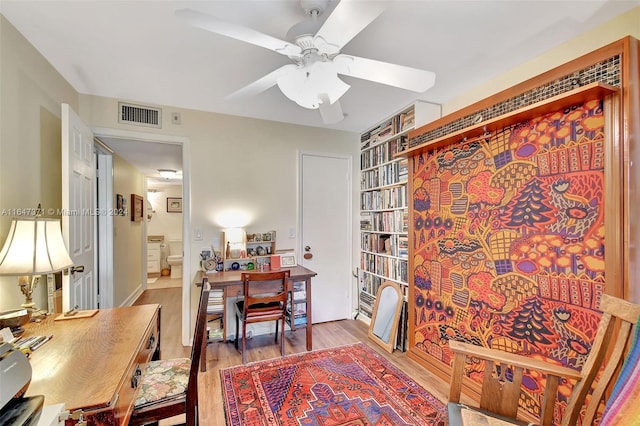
(164,218)
(148,153)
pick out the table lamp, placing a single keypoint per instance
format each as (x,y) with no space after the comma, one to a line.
(33,247)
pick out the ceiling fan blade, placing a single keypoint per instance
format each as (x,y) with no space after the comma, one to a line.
(383,72)
(261,84)
(347,19)
(331,112)
(238,32)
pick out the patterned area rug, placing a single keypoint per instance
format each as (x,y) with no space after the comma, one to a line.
(347,385)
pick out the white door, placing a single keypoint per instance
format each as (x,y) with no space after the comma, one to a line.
(78,204)
(326,230)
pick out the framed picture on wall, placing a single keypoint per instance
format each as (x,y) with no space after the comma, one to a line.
(137,208)
(120,205)
(174,205)
(288,260)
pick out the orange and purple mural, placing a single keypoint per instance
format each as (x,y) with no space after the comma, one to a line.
(508,238)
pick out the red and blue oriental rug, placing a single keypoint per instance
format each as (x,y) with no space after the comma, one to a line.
(347,385)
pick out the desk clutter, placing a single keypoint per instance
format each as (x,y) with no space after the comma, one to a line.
(32,342)
(23,344)
(74,314)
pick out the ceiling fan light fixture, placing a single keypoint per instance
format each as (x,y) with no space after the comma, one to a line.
(167,173)
(305,85)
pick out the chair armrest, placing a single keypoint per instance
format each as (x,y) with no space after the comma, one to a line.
(513,359)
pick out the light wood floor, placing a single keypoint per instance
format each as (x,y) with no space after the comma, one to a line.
(222,355)
(164,282)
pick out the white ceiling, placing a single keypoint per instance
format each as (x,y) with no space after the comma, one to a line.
(139,50)
(149,158)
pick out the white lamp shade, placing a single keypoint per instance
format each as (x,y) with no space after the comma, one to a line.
(34,246)
(305,84)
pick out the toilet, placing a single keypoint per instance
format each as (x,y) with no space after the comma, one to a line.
(174,259)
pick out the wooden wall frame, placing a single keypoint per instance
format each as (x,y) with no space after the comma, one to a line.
(137,208)
(174,204)
(622,109)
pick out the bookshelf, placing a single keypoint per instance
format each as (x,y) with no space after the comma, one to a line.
(297,306)
(384,221)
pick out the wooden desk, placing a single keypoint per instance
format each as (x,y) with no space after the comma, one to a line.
(231,283)
(89,363)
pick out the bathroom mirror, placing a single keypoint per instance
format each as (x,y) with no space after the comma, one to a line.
(386,314)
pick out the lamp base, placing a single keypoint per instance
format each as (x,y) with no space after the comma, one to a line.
(27,285)
(38,315)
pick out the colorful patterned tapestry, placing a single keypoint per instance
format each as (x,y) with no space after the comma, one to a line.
(347,385)
(509,242)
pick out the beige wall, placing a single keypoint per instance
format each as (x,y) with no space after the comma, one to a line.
(239,167)
(615,29)
(127,235)
(162,222)
(32,92)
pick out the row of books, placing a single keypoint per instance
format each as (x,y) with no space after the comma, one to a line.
(393,245)
(298,321)
(394,125)
(299,308)
(376,243)
(382,153)
(403,246)
(382,130)
(389,267)
(300,295)
(365,222)
(299,315)
(388,221)
(406,120)
(388,198)
(216,301)
(366,302)
(386,174)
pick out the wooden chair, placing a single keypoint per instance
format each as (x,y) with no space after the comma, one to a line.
(500,395)
(155,402)
(265,299)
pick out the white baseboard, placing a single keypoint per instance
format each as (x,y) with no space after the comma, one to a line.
(132,297)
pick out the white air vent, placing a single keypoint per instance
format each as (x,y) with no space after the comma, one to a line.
(139,115)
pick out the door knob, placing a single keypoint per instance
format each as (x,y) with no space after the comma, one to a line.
(79,268)
(308,255)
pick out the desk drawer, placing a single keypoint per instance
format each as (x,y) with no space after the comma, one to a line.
(127,392)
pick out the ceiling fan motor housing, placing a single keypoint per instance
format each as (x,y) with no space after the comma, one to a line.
(314,6)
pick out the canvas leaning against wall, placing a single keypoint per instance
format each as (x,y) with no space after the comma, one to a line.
(508,238)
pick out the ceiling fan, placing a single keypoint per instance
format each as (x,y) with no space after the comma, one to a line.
(312,79)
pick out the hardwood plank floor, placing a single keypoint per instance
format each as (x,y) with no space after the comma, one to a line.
(223,355)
